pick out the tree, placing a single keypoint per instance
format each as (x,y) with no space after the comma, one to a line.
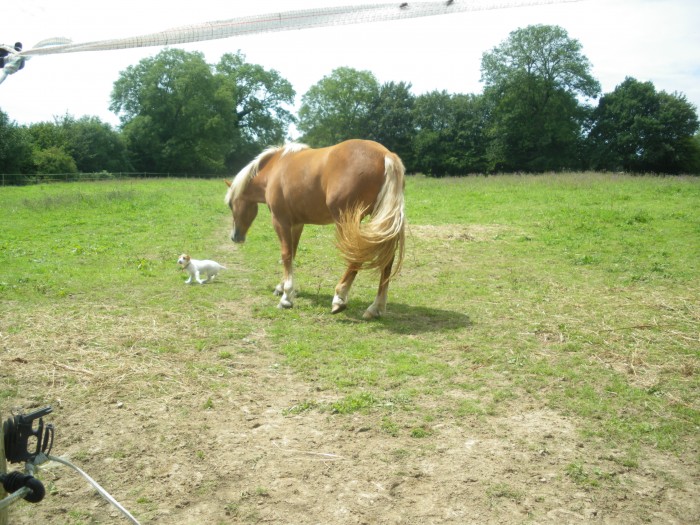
(693,160)
(166,112)
(534,81)
(338,107)
(637,129)
(391,121)
(450,134)
(15,149)
(94,145)
(179,114)
(255,101)
(47,135)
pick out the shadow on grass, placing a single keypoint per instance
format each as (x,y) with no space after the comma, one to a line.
(400,318)
(413,319)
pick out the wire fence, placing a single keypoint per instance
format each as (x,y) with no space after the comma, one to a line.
(23,179)
(285,21)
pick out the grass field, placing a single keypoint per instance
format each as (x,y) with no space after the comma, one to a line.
(577,294)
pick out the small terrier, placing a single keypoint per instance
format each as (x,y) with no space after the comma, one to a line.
(195,268)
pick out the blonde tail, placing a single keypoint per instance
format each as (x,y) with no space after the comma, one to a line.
(375,243)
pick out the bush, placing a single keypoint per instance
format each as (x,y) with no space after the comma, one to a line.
(54,160)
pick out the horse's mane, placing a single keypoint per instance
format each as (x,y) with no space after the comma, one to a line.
(244,176)
(293,147)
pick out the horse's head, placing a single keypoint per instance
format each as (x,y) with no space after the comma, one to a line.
(243,197)
(243,212)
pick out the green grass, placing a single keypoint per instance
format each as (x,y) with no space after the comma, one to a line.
(579,293)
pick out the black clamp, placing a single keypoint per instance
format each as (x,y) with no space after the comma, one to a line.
(14,481)
(19,429)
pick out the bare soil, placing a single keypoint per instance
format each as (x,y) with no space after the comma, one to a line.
(246,458)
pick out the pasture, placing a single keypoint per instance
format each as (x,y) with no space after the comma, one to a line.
(539,361)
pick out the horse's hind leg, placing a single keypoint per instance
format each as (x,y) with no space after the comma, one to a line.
(378,307)
(340,300)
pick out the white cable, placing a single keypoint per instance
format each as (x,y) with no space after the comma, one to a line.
(289,20)
(11,498)
(30,468)
(14,60)
(97,487)
(13,63)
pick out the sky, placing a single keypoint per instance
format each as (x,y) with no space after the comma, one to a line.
(650,40)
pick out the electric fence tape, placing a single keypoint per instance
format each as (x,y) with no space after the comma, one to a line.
(289,20)
(42,458)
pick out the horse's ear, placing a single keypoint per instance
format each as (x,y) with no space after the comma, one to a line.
(228,183)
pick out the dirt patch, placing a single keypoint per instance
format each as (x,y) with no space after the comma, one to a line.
(458,232)
(219,435)
(238,454)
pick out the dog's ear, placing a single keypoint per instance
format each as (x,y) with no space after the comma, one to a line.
(228,183)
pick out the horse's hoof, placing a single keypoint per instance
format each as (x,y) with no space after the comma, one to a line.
(372,313)
(284,305)
(338,307)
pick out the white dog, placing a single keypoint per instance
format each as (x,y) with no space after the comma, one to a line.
(195,268)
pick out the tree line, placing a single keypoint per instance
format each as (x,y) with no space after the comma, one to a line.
(541,110)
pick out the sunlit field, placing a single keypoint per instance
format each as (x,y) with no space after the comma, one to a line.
(575,295)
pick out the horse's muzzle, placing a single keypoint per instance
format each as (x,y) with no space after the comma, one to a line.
(237,237)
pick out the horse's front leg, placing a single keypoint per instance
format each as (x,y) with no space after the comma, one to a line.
(289,240)
(286,286)
(295,232)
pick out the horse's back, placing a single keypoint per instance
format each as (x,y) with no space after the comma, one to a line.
(354,174)
(313,186)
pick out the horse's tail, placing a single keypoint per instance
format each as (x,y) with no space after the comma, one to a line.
(375,243)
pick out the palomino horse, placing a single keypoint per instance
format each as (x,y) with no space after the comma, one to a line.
(339,184)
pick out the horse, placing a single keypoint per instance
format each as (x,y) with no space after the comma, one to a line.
(340,184)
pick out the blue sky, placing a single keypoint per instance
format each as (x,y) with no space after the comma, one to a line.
(654,40)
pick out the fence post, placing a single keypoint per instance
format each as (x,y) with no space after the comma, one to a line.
(3,470)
